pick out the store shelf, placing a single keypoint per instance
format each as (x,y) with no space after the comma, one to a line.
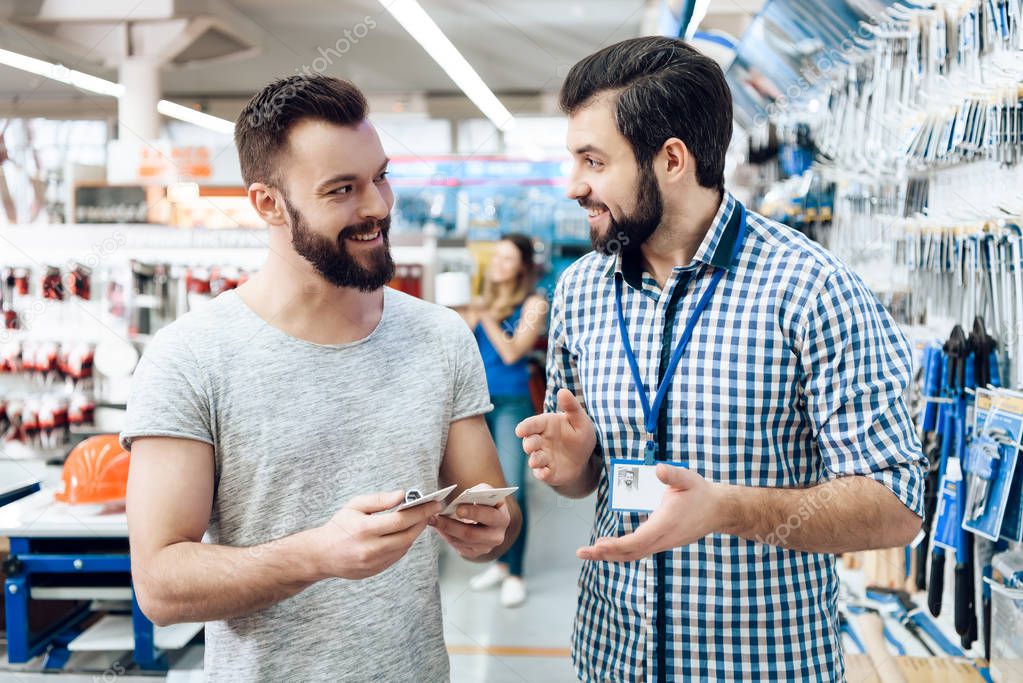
(119,242)
(81,593)
(113,633)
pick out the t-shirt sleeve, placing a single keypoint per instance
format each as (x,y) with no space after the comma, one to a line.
(856,367)
(169,393)
(470,396)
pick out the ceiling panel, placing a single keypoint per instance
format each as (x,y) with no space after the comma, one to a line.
(515,45)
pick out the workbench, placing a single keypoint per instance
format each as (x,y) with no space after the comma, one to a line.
(78,553)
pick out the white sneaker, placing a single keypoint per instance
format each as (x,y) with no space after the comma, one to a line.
(513,591)
(493,576)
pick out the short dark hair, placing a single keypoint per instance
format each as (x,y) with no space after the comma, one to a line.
(664,89)
(261,131)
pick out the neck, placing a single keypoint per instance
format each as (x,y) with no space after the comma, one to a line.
(290,295)
(678,237)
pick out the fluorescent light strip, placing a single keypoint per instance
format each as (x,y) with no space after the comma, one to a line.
(59,72)
(183,113)
(420,26)
(100,86)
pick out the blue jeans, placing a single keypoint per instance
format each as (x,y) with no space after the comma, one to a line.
(507,413)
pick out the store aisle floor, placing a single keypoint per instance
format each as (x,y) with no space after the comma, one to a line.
(489,643)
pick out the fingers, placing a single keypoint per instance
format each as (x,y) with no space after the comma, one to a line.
(397,522)
(643,542)
(569,404)
(401,541)
(462,548)
(382,552)
(532,425)
(622,549)
(480,534)
(538,459)
(376,502)
(532,443)
(678,477)
(484,514)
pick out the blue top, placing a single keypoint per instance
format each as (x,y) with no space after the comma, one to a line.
(503,379)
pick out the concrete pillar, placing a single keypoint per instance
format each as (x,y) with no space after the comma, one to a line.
(137,115)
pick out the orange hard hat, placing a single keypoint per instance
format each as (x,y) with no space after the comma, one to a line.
(96,471)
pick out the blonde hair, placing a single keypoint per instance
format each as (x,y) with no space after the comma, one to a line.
(504,304)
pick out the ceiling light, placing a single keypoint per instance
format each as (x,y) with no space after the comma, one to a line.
(189,115)
(59,72)
(420,26)
(100,86)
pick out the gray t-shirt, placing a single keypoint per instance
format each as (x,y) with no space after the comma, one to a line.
(299,429)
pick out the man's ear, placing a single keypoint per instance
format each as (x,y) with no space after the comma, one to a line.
(268,203)
(675,163)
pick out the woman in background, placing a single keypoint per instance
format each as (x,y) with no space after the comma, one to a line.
(507,323)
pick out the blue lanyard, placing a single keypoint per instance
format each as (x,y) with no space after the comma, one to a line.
(651,413)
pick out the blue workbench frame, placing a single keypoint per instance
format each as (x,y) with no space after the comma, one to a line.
(23,645)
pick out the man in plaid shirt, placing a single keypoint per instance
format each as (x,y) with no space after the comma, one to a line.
(782,437)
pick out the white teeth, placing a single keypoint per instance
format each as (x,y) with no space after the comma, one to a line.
(368,237)
(595,212)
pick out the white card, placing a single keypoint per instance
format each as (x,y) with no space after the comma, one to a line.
(436,495)
(635,486)
(478,496)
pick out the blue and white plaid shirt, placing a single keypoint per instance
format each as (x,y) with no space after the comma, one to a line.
(794,375)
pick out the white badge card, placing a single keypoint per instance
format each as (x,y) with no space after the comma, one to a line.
(635,486)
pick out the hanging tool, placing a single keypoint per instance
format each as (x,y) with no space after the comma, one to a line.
(963,354)
(898,605)
(950,474)
(932,449)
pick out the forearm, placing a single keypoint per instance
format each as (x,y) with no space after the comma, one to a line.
(508,347)
(844,515)
(586,482)
(192,582)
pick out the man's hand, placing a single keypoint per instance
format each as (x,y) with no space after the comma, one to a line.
(356,544)
(472,541)
(559,445)
(690,509)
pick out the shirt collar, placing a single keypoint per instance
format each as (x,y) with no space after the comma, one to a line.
(715,249)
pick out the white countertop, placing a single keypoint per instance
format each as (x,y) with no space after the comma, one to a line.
(39,516)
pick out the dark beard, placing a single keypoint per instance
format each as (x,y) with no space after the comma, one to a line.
(331,259)
(626,235)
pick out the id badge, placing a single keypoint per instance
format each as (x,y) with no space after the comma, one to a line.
(635,486)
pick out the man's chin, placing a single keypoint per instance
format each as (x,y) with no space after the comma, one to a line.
(605,244)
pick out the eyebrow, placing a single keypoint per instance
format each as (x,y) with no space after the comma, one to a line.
(589,148)
(348,177)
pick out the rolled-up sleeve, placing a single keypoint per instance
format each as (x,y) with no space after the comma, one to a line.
(169,394)
(561,373)
(856,366)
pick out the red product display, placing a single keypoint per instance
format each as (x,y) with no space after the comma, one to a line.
(80,282)
(51,285)
(408,279)
(21,281)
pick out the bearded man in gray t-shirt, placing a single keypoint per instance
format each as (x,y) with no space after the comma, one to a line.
(285,419)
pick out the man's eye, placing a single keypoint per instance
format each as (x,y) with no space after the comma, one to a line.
(592,163)
(383,176)
(341,190)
